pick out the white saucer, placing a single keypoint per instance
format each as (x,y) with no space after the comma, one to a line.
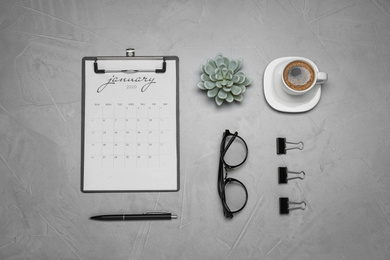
(278,99)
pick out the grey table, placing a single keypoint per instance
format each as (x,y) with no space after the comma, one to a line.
(44,215)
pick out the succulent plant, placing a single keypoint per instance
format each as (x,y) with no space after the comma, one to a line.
(223,79)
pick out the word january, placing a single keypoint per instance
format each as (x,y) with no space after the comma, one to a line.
(113,80)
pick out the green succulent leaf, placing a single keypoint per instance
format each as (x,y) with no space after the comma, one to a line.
(226,61)
(212,63)
(233,64)
(219,60)
(213,78)
(205,77)
(202,69)
(218,73)
(247,81)
(227,89)
(201,86)
(224,72)
(229,75)
(222,94)
(240,73)
(212,92)
(218,84)
(236,78)
(229,97)
(239,77)
(238,98)
(236,90)
(209,84)
(242,79)
(209,69)
(242,87)
(240,61)
(218,101)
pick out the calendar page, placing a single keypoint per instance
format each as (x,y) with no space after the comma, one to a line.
(130,127)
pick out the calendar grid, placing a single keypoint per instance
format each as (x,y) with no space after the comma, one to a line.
(132,135)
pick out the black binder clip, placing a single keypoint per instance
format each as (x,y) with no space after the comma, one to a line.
(281,145)
(283,175)
(284,205)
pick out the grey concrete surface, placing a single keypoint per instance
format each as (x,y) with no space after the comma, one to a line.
(43,214)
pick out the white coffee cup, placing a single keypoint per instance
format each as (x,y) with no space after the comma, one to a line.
(300,75)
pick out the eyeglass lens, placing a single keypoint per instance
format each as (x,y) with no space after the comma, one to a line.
(235,196)
(236,153)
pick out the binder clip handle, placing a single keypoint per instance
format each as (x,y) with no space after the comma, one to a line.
(284,205)
(283,175)
(281,145)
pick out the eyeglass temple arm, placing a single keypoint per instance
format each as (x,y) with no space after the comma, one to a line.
(229,143)
(227,213)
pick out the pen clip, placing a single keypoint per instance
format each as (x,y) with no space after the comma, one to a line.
(154,212)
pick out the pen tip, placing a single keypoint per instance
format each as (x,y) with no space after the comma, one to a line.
(174,217)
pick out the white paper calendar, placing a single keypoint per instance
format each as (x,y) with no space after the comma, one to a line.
(130,136)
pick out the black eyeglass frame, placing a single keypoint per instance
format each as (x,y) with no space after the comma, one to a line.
(223,180)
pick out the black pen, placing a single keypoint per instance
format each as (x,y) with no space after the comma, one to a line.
(144,216)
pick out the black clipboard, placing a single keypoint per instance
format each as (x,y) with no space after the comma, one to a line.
(130,124)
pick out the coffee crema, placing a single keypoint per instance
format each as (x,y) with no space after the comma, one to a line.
(299,75)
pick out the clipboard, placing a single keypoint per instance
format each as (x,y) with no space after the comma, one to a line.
(130,124)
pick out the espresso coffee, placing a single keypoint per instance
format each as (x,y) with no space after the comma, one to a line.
(299,75)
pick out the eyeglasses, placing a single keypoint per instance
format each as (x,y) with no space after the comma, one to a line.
(233,153)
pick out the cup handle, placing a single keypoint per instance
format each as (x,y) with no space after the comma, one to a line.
(322,77)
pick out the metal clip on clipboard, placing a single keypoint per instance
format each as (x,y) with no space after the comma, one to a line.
(130,55)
